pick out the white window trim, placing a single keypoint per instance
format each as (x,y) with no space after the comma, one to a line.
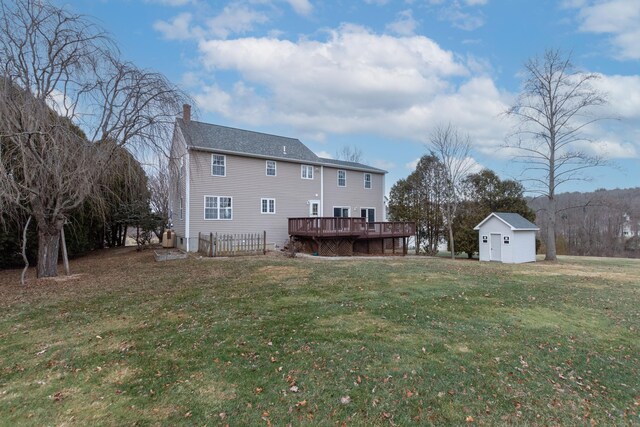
(311,203)
(368,209)
(275,168)
(274,206)
(307,168)
(204,207)
(225,165)
(345,178)
(370,181)
(343,207)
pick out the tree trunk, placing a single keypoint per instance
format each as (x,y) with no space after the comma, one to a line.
(24,251)
(451,244)
(551,230)
(450,224)
(48,250)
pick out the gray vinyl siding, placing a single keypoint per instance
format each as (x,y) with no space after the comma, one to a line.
(354,195)
(177,188)
(246,183)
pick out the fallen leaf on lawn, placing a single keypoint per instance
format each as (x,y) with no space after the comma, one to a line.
(294,389)
(345,400)
(301,403)
(273,359)
(409,393)
(222,415)
(259,390)
(469,419)
(187,415)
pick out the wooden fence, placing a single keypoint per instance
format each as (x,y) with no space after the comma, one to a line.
(214,244)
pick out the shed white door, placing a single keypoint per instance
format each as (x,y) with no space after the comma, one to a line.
(496,248)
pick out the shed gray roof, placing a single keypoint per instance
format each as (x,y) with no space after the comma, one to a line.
(210,137)
(513,220)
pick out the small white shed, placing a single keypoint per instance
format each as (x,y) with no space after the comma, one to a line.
(507,237)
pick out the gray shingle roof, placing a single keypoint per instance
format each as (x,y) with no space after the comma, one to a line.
(231,140)
(514,220)
(206,136)
(350,165)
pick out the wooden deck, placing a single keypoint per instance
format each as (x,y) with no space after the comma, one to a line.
(357,228)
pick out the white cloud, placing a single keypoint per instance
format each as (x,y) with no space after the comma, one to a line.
(302,7)
(324,154)
(612,149)
(179,28)
(404,25)
(462,14)
(623,94)
(412,164)
(235,19)
(355,81)
(461,19)
(618,18)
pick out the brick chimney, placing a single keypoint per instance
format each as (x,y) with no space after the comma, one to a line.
(186,113)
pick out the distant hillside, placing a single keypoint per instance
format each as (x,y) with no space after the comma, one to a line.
(599,223)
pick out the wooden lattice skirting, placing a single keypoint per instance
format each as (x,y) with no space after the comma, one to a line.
(335,247)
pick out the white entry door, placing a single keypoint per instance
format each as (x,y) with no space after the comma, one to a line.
(314,207)
(496,247)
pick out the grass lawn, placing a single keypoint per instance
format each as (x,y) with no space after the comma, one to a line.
(272,341)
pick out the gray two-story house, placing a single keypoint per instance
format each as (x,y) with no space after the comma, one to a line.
(227,180)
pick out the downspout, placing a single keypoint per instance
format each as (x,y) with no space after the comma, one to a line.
(187,208)
(384,205)
(321,190)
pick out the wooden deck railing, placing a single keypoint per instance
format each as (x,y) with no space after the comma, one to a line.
(349,227)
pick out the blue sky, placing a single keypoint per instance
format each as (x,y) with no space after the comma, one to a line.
(381,74)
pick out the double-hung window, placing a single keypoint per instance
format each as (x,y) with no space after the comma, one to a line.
(271,168)
(367,180)
(218,207)
(342,178)
(268,206)
(218,165)
(306,172)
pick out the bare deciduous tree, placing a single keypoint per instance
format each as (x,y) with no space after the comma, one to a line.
(555,105)
(159,192)
(62,79)
(453,149)
(350,153)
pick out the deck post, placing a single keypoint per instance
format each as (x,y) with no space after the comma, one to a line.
(211,244)
(264,242)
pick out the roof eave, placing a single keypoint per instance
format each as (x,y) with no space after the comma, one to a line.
(256,156)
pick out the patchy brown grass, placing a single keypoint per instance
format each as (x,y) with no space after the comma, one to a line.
(274,340)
